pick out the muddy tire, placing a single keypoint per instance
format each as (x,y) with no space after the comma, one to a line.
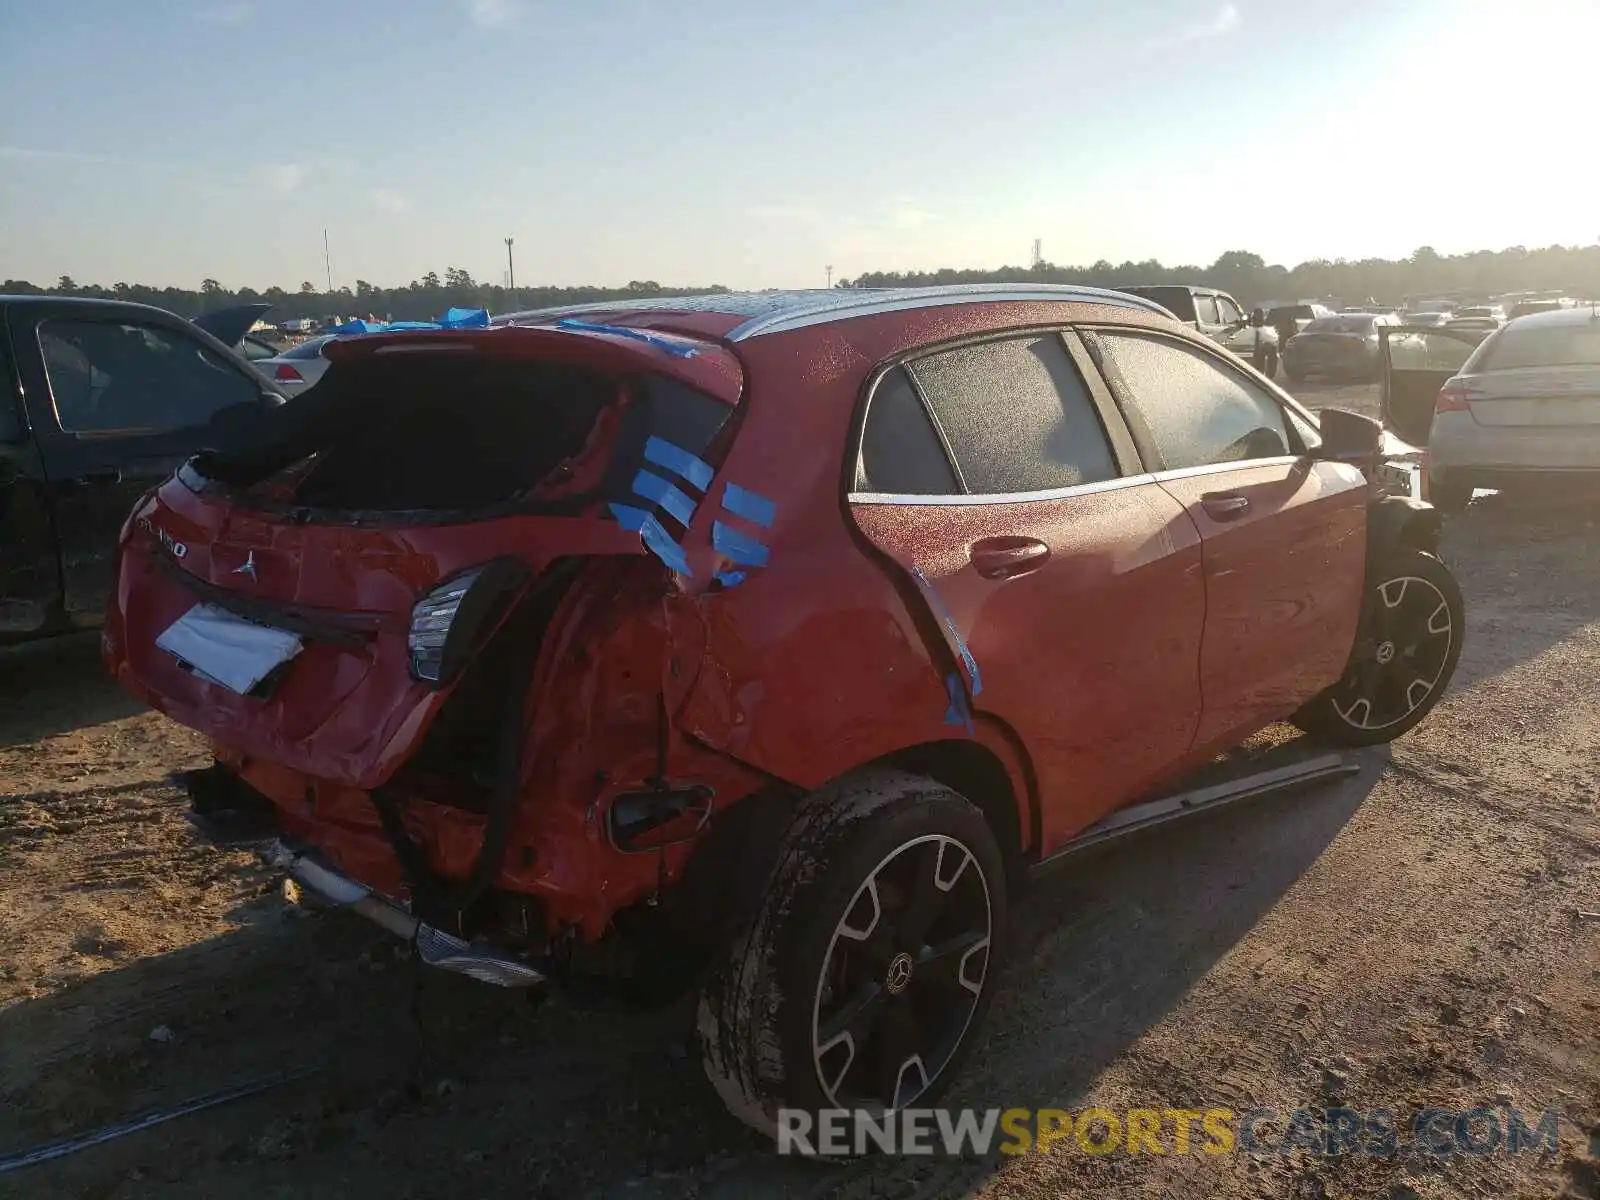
(1268,365)
(1406,650)
(863,978)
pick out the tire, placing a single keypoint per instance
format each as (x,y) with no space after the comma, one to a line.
(1295,376)
(833,921)
(1411,629)
(1269,363)
(1449,495)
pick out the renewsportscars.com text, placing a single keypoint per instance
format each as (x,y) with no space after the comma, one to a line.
(1431,1132)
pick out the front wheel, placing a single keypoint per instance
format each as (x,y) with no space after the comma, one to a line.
(1407,645)
(863,978)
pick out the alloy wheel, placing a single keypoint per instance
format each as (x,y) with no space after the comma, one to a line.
(903,975)
(1400,657)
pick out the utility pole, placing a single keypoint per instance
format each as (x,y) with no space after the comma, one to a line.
(511,267)
(327,262)
(830,276)
(1038,252)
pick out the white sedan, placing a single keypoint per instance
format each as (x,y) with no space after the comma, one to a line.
(296,368)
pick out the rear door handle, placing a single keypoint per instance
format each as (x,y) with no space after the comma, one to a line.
(109,475)
(1225,506)
(1008,557)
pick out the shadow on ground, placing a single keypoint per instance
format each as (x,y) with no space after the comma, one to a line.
(427,1083)
(57,686)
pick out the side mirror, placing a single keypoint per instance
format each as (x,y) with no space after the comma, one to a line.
(1258,317)
(1349,437)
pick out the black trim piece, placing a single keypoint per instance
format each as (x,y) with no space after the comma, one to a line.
(933,420)
(351,632)
(1123,447)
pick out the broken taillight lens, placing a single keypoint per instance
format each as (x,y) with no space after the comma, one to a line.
(450,621)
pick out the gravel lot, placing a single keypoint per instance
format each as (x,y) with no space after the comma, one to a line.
(1409,937)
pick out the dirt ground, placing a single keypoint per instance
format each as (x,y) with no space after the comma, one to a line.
(1409,937)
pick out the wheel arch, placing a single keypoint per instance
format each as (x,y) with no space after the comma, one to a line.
(1401,522)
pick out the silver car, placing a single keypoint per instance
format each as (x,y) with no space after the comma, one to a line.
(294,370)
(1525,402)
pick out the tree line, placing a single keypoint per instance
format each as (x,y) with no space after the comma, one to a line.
(1426,272)
(420,300)
(1247,276)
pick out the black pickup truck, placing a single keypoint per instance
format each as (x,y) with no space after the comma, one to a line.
(1220,317)
(99,402)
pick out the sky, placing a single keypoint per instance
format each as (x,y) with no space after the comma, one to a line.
(756,144)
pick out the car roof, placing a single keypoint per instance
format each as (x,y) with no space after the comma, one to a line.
(88,303)
(1579,315)
(759,313)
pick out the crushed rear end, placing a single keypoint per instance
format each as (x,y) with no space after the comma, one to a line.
(431,625)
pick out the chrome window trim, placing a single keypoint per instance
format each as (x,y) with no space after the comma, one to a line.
(1079,489)
(1277,460)
(1065,493)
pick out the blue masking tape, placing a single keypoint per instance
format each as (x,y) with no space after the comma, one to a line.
(745,551)
(466,318)
(679,461)
(957,713)
(655,537)
(653,487)
(949,622)
(676,349)
(660,543)
(752,506)
(630,518)
(729,579)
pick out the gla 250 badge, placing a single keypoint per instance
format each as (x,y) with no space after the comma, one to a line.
(174,547)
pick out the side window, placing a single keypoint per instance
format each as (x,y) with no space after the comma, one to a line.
(900,450)
(1229,311)
(1192,410)
(1205,308)
(114,376)
(1016,415)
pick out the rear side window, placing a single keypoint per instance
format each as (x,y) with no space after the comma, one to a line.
(901,454)
(1550,346)
(1189,408)
(1016,415)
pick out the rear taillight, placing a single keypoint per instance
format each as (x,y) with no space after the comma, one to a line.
(451,621)
(287,374)
(1452,398)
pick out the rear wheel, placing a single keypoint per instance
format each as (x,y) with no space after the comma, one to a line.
(863,978)
(1406,650)
(1268,365)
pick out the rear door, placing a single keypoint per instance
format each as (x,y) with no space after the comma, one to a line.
(997,475)
(1417,361)
(121,403)
(1283,535)
(30,576)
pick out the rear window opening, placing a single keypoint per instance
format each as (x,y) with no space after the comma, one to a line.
(448,434)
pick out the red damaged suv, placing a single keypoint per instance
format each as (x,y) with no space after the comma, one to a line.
(752,643)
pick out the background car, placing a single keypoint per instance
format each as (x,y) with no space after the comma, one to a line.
(1344,345)
(297,368)
(1221,318)
(1481,312)
(1426,318)
(1525,308)
(1524,406)
(1289,319)
(1461,322)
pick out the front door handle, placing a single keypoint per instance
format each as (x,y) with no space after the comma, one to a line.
(1225,506)
(110,475)
(1008,557)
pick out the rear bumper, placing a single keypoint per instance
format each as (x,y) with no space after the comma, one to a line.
(1458,443)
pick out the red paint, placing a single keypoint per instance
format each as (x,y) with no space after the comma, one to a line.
(1118,633)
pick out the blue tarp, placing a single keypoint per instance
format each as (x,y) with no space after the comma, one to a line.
(455,318)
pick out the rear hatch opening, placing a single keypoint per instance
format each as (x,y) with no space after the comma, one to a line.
(414,520)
